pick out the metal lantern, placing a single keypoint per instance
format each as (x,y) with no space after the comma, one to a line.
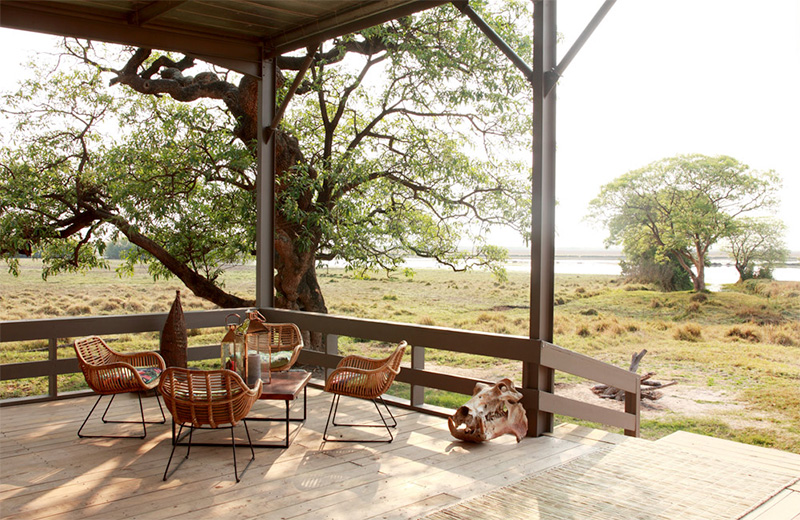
(233,349)
(257,339)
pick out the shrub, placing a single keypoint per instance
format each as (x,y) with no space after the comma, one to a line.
(78,310)
(746,334)
(426,320)
(761,316)
(134,306)
(583,331)
(699,297)
(392,297)
(661,325)
(485,318)
(589,312)
(688,332)
(783,339)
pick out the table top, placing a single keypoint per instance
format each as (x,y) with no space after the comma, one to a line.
(285,386)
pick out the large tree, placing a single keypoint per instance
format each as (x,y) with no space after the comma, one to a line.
(400,141)
(681,206)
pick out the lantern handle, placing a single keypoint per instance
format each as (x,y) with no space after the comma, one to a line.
(238,319)
(254,314)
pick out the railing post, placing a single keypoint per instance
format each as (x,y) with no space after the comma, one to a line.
(331,349)
(52,378)
(417,363)
(632,403)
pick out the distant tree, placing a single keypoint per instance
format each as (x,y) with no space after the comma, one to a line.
(679,207)
(118,249)
(756,246)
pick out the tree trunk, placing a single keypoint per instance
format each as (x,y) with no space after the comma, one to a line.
(699,281)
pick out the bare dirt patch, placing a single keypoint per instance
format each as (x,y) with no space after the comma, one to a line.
(684,400)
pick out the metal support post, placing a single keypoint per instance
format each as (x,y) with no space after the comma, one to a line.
(265,188)
(535,376)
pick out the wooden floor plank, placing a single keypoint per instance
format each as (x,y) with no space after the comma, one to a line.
(783,506)
(47,472)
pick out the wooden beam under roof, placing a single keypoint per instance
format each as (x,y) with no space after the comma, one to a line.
(234,34)
(152,11)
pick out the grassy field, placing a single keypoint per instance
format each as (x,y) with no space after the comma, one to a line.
(735,354)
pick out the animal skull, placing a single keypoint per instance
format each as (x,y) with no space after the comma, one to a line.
(493,410)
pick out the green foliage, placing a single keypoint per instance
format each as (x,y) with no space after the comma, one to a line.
(756,246)
(675,209)
(406,133)
(409,144)
(73,187)
(667,274)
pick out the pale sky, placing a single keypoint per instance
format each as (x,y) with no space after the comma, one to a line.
(657,79)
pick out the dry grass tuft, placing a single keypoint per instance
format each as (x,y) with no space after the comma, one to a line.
(688,332)
(747,334)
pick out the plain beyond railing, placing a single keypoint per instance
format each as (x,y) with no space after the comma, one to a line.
(421,337)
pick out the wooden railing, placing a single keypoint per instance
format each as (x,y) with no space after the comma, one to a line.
(421,337)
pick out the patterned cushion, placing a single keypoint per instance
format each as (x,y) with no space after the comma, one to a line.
(279,358)
(148,374)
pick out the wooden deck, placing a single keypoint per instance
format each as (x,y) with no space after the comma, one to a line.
(46,471)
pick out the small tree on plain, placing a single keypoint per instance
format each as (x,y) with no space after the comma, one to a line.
(756,246)
(681,206)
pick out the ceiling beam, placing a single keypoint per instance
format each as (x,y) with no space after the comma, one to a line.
(152,11)
(367,15)
(239,55)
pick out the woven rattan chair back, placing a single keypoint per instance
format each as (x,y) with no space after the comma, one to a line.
(364,378)
(108,372)
(285,336)
(276,337)
(212,398)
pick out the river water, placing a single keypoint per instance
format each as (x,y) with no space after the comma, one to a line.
(717,274)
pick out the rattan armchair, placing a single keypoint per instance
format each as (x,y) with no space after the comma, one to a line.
(207,399)
(284,341)
(110,373)
(364,378)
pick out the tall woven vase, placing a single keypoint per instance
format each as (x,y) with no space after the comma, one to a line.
(174,340)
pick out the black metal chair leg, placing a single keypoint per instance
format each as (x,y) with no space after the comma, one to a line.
(335,408)
(233,446)
(388,430)
(386,406)
(107,407)
(325,433)
(189,447)
(142,422)
(252,451)
(174,445)
(90,414)
(161,409)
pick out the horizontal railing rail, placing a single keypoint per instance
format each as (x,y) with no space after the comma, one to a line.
(561,359)
(422,337)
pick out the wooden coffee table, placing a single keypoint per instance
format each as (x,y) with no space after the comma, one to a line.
(284,386)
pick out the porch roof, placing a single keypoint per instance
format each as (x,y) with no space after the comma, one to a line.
(233,34)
